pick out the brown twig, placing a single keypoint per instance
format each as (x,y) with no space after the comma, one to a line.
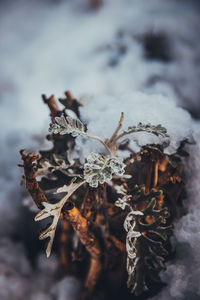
(149,177)
(88,205)
(31,182)
(117,243)
(51,102)
(65,245)
(74,217)
(70,103)
(91,243)
(100,206)
(155,180)
(95,4)
(69,96)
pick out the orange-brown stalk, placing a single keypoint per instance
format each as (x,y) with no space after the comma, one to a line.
(92,245)
(51,102)
(31,182)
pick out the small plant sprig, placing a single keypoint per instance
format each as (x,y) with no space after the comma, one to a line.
(85,194)
(67,125)
(98,168)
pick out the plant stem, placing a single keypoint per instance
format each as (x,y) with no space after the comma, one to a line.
(126,133)
(110,144)
(114,136)
(31,182)
(101,141)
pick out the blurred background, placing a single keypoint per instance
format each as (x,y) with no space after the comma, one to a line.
(89,47)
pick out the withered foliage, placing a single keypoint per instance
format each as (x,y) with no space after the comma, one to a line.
(116,216)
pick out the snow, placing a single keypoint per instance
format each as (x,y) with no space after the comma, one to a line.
(50,46)
(18,280)
(102,114)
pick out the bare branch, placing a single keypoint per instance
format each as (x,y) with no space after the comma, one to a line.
(30,177)
(113,137)
(91,243)
(51,102)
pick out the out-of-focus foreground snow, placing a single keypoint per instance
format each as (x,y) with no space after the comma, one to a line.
(50,46)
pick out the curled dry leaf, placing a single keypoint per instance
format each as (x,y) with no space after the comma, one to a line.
(131,237)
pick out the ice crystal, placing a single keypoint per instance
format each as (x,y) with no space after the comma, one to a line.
(100,168)
(68,125)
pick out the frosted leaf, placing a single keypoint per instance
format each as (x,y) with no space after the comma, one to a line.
(50,210)
(123,202)
(130,248)
(68,125)
(65,188)
(130,265)
(54,210)
(100,168)
(132,234)
(119,189)
(45,167)
(154,129)
(131,237)
(117,165)
(130,219)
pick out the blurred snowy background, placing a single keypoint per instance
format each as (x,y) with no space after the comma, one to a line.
(124,46)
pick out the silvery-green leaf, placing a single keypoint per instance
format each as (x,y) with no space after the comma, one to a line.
(154,129)
(130,219)
(68,125)
(123,202)
(100,168)
(119,189)
(131,238)
(54,210)
(130,249)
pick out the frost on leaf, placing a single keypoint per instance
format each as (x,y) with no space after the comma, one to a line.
(154,129)
(147,232)
(68,125)
(54,210)
(100,168)
(123,202)
(145,241)
(45,167)
(50,210)
(132,234)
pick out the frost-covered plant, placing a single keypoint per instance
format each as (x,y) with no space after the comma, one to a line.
(54,210)
(87,195)
(67,125)
(100,168)
(139,235)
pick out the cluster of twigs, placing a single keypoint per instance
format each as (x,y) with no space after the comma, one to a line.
(91,218)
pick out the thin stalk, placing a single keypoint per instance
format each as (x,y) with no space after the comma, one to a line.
(126,133)
(101,141)
(110,144)
(114,136)
(156,174)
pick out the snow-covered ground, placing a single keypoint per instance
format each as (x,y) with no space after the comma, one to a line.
(106,58)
